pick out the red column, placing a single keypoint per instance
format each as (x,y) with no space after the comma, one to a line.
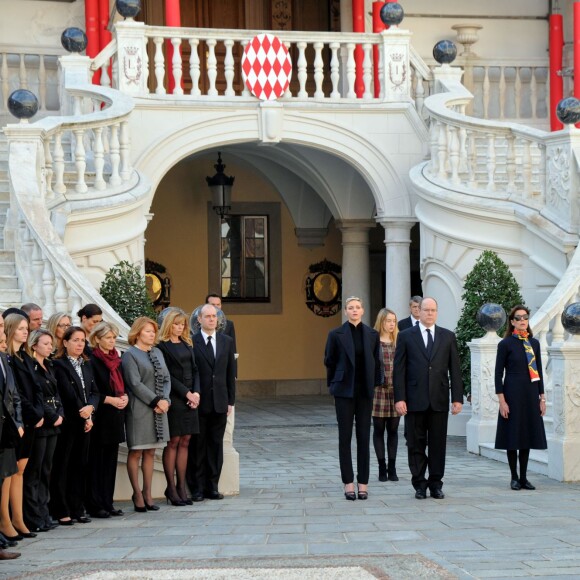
(378,26)
(358,25)
(172,18)
(104,33)
(92,27)
(556,81)
(576,49)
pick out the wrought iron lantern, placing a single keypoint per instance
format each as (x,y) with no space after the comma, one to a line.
(221,188)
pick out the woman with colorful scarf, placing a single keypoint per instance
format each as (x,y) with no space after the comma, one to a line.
(520,389)
(109,429)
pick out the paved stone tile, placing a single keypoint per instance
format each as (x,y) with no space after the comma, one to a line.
(266,550)
(172,552)
(353,549)
(235,538)
(306,538)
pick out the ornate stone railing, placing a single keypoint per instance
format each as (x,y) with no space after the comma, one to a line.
(36,70)
(40,169)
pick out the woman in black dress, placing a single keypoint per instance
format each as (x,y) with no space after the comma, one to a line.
(22,365)
(109,429)
(80,399)
(38,470)
(519,386)
(57,325)
(175,344)
(90,315)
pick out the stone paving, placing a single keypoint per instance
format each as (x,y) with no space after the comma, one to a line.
(291,506)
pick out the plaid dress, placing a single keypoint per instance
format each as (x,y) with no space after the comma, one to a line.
(384,399)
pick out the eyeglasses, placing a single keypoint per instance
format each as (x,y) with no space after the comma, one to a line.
(519,317)
(64,325)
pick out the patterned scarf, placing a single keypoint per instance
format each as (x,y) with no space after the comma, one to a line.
(77,364)
(532,367)
(158,372)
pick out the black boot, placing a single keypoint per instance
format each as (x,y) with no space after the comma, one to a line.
(392,471)
(382,470)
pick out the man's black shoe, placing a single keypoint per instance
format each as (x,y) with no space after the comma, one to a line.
(197,497)
(420,494)
(437,494)
(214,495)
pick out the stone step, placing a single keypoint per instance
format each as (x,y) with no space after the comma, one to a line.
(11,297)
(7,268)
(6,256)
(8,283)
(538,459)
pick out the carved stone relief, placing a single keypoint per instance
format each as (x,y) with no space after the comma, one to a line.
(559,178)
(281,15)
(132,65)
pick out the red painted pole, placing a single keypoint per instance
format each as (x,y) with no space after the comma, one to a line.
(378,26)
(576,49)
(92,27)
(104,34)
(556,81)
(172,18)
(358,25)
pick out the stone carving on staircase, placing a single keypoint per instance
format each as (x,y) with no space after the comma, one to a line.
(132,65)
(559,178)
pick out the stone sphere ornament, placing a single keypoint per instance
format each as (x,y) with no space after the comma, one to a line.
(392,14)
(23,104)
(491,317)
(568,111)
(196,326)
(73,39)
(571,318)
(445,51)
(128,8)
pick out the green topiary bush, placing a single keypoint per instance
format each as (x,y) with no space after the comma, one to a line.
(125,290)
(489,281)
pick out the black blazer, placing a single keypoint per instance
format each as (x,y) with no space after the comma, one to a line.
(421,382)
(230,330)
(339,361)
(178,389)
(11,416)
(405,323)
(109,422)
(71,391)
(28,389)
(53,409)
(217,379)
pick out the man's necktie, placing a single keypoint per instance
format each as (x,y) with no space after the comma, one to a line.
(429,342)
(210,349)
(416,323)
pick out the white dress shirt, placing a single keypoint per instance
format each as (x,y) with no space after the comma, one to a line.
(213,341)
(424,333)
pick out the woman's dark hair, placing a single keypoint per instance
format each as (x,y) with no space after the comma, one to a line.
(89,310)
(66,337)
(509,328)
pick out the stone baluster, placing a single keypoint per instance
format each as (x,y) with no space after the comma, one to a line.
(177,66)
(5,80)
(518,91)
(419,92)
(99,152)
(540,193)
(442,151)
(382,77)
(472,160)
(229,68)
(80,161)
(511,163)
(463,161)
(37,267)
(211,67)
(48,287)
(368,71)
(115,71)
(159,60)
(434,141)
(60,294)
(302,74)
(502,91)
(48,168)
(287,93)
(318,70)
(27,244)
(105,78)
(534,92)
(76,305)
(115,178)
(125,148)
(59,185)
(22,76)
(41,83)
(351,71)
(527,168)
(486,92)
(334,70)
(194,67)
(491,162)
(453,153)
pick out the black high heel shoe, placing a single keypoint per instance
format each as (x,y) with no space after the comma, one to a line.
(176,500)
(25,534)
(350,495)
(183,497)
(138,508)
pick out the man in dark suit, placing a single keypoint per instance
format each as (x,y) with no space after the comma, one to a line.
(426,366)
(229,330)
(214,356)
(413,319)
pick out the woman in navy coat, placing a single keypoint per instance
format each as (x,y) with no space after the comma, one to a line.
(519,386)
(353,369)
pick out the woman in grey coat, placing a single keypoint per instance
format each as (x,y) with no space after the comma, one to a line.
(148,385)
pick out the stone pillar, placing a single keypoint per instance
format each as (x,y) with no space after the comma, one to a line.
(74,71)
(482,426)
(396,73)
(398,264)
(132,57)
(564,442)
(355,261)
(229,483)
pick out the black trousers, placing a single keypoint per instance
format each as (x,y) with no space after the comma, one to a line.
(348,411)
(37,481)
(102,473)
(69,473)
(426,428)
(206,453)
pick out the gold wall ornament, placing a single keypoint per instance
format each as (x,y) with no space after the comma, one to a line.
(323,288)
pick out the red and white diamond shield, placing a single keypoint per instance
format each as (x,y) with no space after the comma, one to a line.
(266,67)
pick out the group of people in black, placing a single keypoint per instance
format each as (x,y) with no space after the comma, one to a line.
(68,400)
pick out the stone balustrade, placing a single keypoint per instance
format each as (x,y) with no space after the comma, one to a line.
(34,69)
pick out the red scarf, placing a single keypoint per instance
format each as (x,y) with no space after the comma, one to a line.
(112,361)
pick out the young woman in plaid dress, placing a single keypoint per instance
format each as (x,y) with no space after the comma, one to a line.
(385,418)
